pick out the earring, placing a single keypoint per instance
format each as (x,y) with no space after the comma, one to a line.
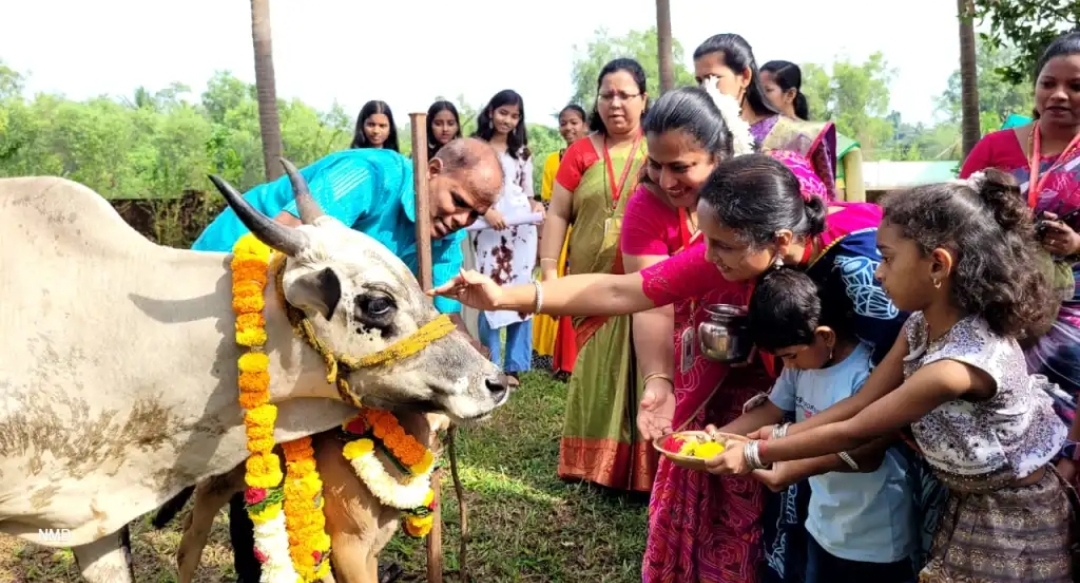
(778,261)
(937,284)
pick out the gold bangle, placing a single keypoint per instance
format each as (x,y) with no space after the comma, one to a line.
(545,259)
(657,375)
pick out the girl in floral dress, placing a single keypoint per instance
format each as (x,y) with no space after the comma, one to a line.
(961,258)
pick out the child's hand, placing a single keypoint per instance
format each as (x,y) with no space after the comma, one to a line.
(764,434)
(732,461)
(775,479)
(495,219)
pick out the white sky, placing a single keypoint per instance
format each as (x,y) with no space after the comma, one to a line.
(352,51)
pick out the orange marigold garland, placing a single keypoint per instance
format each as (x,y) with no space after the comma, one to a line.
(309,545)
(404,448)
(413,495)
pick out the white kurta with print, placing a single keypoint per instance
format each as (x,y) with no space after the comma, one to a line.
(509,256)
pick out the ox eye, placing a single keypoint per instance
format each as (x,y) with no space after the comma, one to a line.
(376,311)
(377,306)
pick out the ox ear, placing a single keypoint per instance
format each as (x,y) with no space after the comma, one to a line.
(318,290)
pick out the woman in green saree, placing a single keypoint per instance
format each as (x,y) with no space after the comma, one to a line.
(596,178)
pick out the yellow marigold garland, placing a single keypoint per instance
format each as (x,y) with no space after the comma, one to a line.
(288,520)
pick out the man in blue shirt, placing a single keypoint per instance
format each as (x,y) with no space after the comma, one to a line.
(372,190)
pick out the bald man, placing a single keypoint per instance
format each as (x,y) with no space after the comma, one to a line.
(372,190)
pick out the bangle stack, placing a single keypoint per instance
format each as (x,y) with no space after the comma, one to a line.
(779,431)
(752,455)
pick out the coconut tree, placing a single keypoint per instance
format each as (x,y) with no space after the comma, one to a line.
(663,43)
(969,76)
(269,124)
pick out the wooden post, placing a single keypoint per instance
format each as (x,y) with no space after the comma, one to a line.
(423,201)
(423,263)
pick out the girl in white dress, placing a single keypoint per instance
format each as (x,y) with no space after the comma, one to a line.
(508,254)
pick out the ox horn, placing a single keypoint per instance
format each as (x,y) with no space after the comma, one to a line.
(305,203)
(288,241)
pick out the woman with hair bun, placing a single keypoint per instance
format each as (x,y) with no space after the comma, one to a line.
(753,213)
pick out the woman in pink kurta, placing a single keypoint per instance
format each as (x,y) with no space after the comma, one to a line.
(702,528)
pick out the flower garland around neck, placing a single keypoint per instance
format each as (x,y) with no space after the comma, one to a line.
(290,538)
(413,495)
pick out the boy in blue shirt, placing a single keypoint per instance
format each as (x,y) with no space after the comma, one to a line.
(860,516)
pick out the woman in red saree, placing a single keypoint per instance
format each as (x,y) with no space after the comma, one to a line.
(701,528)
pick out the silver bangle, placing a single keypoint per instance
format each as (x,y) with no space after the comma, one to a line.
(780,431)
(752,457)
(538,302)
(848,460)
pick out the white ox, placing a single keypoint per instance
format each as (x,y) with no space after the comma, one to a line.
(118,374)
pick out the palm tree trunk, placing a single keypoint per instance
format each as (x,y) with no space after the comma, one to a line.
(269,124)
(663,43)
(969,77)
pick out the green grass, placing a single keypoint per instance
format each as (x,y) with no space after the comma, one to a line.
(525,525)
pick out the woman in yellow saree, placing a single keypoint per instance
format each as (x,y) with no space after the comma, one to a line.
(573,125)
(595,180)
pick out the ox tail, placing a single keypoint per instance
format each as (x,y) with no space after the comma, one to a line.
(463,565)
(170,509)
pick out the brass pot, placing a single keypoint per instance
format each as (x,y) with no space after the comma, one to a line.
(725,337)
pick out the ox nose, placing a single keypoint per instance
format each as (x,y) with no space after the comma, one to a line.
(499,387)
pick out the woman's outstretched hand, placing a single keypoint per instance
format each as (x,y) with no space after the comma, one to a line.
(472,289)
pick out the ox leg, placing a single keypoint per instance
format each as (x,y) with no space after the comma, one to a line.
(351,516)
(105,560)
(210,496)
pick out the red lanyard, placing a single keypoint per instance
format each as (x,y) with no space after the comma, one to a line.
(616,188)
(1035,182)
(686,238)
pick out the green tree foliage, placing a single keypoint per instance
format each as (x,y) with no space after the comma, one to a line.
(1028,25)
(640,45)
(157,144)
(855,96)
(998,96)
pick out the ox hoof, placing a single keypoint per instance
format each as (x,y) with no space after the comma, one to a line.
(390,572)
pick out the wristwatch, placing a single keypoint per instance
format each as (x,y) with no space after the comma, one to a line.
(1071,450)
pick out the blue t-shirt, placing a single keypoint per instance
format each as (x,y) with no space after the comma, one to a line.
(853,516)
(369,189)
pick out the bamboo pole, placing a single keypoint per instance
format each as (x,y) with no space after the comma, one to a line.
(418,122)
